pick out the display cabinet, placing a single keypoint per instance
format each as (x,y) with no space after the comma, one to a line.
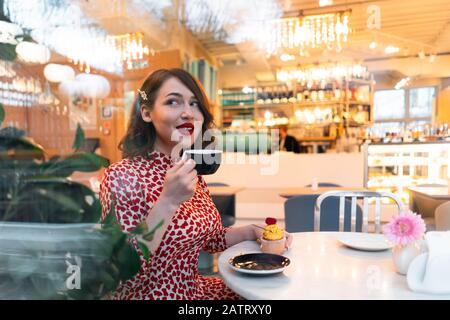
(394,167)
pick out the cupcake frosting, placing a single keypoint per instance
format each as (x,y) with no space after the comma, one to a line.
(273,232)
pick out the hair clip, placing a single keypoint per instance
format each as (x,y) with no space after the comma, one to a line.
(143,94)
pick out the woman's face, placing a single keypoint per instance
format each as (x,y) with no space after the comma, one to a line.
(176,116)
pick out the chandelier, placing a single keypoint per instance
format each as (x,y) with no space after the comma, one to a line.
(328,31)
(325,73)
(62,26)
(131,49)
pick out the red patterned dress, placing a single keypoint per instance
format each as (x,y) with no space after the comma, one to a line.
(172,271)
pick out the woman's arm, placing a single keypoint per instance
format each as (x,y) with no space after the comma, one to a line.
(179,186)
(236,235)
(162,210)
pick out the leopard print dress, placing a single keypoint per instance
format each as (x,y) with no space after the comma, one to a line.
(172,271)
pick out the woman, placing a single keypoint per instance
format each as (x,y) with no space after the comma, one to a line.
(150,185)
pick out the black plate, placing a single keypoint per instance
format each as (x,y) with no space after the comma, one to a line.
(259,263)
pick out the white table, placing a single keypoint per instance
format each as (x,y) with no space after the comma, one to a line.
(321,268)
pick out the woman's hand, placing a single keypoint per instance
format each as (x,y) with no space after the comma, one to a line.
(180,182)
(258,230)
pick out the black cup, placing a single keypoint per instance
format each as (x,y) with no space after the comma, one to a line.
(207,160)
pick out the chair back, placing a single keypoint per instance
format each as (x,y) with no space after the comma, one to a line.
(354,196)
(442,217)
(299,214)
(226,205)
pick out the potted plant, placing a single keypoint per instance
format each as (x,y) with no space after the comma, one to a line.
(52,245)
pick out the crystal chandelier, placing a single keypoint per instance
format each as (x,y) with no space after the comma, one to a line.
(131,48)
(62,26)
(325,73)
(328,31)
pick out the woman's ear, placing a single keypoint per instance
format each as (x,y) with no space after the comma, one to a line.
(146,114)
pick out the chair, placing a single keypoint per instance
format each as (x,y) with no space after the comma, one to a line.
(226,205)
(299,214)
(426,206)
(354,195)
(442,217)
(325,184)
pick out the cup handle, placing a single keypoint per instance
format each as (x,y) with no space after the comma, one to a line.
(184,156)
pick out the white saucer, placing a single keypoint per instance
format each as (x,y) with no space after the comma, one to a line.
(248,263)
(365,241)
(258,272)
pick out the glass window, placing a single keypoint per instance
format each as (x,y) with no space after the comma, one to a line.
(389,104)
(379,129)
(421,102)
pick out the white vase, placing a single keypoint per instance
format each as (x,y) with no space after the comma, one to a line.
(402,256)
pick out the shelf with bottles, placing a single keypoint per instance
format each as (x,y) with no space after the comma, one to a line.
(237,97)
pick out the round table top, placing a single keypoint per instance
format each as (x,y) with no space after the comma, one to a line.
(321,268)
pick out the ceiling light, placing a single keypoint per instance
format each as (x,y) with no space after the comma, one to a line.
(373,45)
(32,52)
(247,90)
(421,54)
(324,72)
(328,30)
(287,57)
(58,72)
(391,49)
(402,83)
(432,57)
(324,3)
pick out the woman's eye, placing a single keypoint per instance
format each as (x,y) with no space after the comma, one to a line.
(194,104)
(172,102)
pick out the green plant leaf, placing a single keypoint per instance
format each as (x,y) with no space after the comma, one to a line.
(79,138)
(11,132)
(8,52)
(2,114)
(53,200)
(127,259)
(149,235)
(145,251)
(140,228)
(19,148)
(80,161)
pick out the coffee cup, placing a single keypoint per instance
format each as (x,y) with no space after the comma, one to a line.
(207,161)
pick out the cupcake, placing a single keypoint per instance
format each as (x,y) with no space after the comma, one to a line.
(273,239)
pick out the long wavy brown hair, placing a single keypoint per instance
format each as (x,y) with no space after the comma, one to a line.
(140,137)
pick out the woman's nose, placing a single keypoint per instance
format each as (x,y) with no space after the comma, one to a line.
(188,111)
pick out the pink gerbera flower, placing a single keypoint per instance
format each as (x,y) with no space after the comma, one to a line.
(405,228)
